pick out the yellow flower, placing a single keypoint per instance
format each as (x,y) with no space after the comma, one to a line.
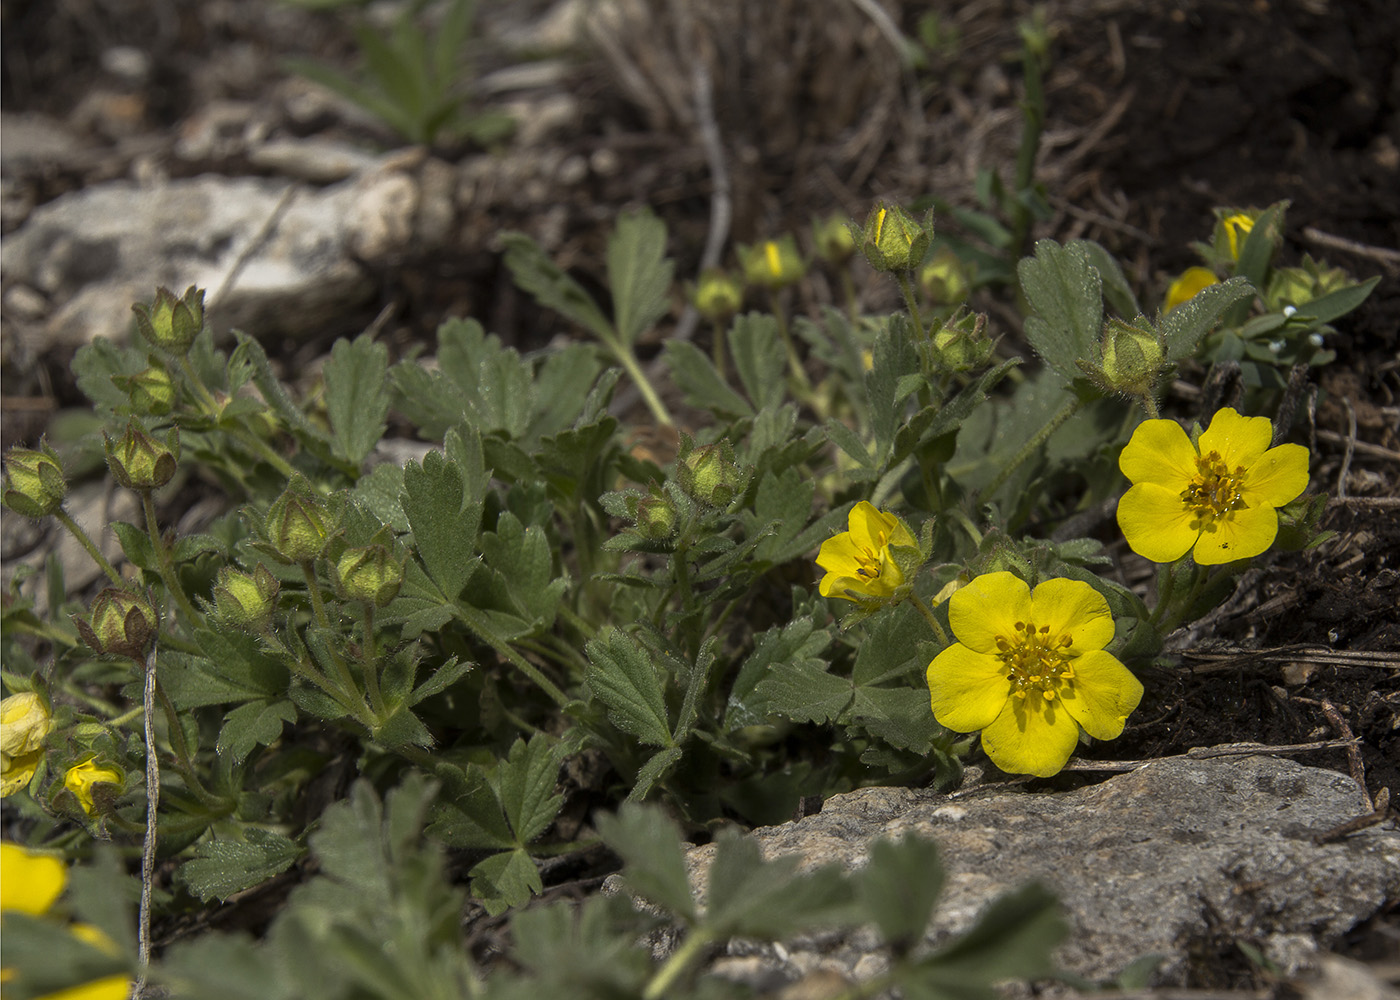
(773,264)
(859,560)
(1216,497)
(1029,670)
(24,722)
(30,883)
(1187,284)
(81,777)
(1236,226)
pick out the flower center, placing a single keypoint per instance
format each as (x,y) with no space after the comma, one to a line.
(1215,492)
(868,559)
(1036,661)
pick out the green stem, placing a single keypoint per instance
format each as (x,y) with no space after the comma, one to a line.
(1150,405)
(87,543)
(265,451)
(167,565)
(911,301)
(1033,111)
(799,374)
(181,747)
(1041,436)
(932,620)
(206,398)
(313,590)
(370,668)
(633,367)
(675,966)
(1199,579)
(468,616)
(1166,584)
(717,348)
(351,695)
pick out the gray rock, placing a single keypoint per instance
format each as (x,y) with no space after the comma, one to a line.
(1160,860)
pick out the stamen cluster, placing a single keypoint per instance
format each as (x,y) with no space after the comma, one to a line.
(1216,490)
(1035,661)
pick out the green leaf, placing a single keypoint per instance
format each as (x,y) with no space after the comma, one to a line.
(357,399)
(402,729)
(1339,303)
(750,897)
(653,771)
(1116,289)
(441,679)
(899,716)
(1185,326)
(258,723)
(649,845)
(1064,293)
(899,888)
(533,271)
(892,649)
(237,658)
(700,381)
(622,676)
(505,880)
(469,815)
(94,365)
(136,546)
(379,491)
(525,560)
(759,358)
(223,867)
(526,781)
(562,386)
(1012,939)
(802,691)
(276,396)
(798,643)
(444,518)
(639,274)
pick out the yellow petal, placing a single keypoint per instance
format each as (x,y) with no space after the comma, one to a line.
(1159,452)
(967,690)
(1075,609)
(1031,738)
(1185,287)
(1277,477)
(1240,534)
(874,529)
(839,554)
(1239,440)
(988,607)
(1102,695)
(1156,523)
(29,881)
(110,988)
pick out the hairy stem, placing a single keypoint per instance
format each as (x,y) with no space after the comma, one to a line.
(87,543)
(1033,445)
(167,565)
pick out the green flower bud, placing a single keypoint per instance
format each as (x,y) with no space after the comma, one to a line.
(1132,360)
(119,623)
(151,391)
(944,279)
(710,475)
(295,527)
(171,324)
(835,244)
(243,600)
(961,345)
(368,573)
(893,240)
(138,461)
(718,296)
(773,264)
(656,516)
(34,483)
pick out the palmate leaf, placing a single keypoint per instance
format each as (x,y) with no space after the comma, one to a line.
(1185,326)
(224,867)
(701,383)
(759,358)
(1014,938)
(639,274)
(444,518)
(622,676)
(257,723)
(357,401)
(649,845)
(533,271)
(525,782)
(1065,295)
(750,897)
(505,880)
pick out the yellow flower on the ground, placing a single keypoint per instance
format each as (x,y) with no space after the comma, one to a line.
(1216,498)
(30,883)
(81,777)
(859,560)
(1029,670)
(1187,284)
(24,722)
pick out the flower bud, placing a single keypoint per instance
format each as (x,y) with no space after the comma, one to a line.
(151,391)
(1186,285)
(243,600)
(171,324)
(961,345)
(295,527)
(944,279)
(718,296)
(893,240)
(82,779)
(773,264)
(34,483)
(656,516)
(835,244)
(24,722)
(1235,228)
(139,461)
(1131,362)
(710,475)
(368,573)
(119,623)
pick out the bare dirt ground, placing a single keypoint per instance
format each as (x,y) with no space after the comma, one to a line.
(1157,113)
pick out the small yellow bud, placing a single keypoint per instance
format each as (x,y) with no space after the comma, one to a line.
(656,516)
(139,461)
(718,296)
(710,475)
(295,527)
(171,324)
(34,483)
(243,600)
(893,240)
(1236,227)
(1132,359)
(773,264)
(81,780)
(119,623)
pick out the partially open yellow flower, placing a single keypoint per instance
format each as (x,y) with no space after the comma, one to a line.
(1236,227)
(1187,284)
(1029,670)
(859,560)
(24,722)
(1215,499)
(81,777)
